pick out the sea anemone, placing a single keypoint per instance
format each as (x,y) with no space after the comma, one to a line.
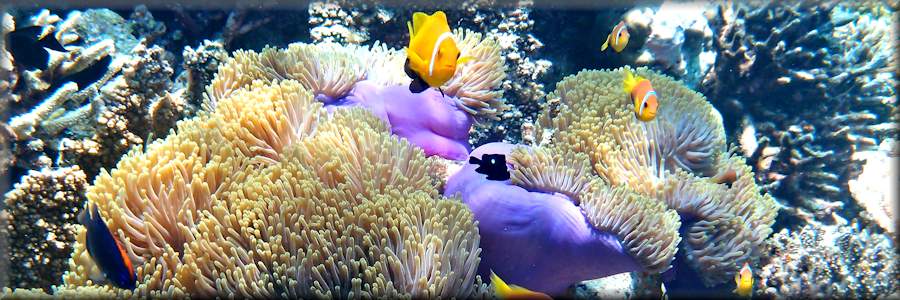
(266,197)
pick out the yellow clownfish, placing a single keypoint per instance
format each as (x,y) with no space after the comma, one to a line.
(618,38)
(642,95)
(744,282)
(504,291)
(432,55)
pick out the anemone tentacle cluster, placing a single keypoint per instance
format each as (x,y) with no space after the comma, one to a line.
(267,196)
(330,71)
(679,160)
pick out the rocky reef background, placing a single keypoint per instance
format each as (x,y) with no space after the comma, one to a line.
(807,91)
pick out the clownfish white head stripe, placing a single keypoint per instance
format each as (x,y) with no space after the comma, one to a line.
(644,101)
(434,52)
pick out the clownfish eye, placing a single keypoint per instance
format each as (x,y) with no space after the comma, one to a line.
(645,104)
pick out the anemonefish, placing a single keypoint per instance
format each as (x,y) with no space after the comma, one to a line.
(106,251)
(432,55)
(726,177)
(504,291)
(642,95)
(744,282)
(618,38)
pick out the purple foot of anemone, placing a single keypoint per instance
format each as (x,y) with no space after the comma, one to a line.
(428,119)
(537,240)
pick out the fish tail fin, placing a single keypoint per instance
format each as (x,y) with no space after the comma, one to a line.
(500,287)
(49,41)
(605,44)
(418,85)
(464,59)
(83,216)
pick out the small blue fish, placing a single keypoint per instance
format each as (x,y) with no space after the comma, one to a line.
(492,165)
(106,251)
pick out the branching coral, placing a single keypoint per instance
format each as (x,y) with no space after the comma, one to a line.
(679,158)
(774,59)
(263,197)
(106,93)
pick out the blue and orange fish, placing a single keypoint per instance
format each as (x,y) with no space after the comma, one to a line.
(432,55)
(642,95)
(106,251)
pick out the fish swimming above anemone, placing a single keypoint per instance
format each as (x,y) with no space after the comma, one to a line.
(618,38)
(642,95)
(432,55)
(505,291)
(106,250)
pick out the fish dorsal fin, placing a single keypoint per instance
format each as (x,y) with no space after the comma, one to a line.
(630,81)
(419,19)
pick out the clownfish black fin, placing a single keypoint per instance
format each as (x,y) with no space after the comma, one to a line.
(417,86)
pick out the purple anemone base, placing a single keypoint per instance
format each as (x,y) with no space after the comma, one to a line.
(537,240)
(428,119)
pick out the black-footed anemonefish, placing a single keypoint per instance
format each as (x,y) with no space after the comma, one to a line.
(432,55)
(642,95)
(618,38)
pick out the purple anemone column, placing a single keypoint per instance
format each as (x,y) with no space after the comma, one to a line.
(540,241)
(427,119)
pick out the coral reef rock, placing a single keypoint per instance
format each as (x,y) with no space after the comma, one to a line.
(875,189)
(40,221)
(523,87)
(819,261)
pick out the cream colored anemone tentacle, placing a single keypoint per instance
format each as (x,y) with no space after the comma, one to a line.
(545,170)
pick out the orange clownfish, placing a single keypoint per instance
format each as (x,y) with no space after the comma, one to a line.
(504,291)
(432,55)
(106,250)
(642,95)
(618,38)
(744,282)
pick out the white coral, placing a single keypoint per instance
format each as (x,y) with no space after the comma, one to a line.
(876,187)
